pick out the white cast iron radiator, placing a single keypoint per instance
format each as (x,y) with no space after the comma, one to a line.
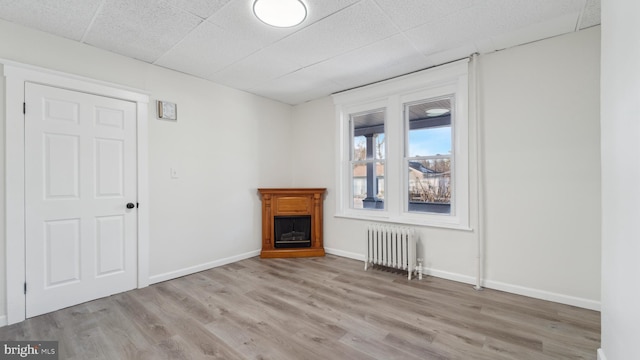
(392,246)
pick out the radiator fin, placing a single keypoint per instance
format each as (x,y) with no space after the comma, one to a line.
(391,246)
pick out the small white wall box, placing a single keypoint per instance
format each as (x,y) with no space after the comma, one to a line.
(167,110)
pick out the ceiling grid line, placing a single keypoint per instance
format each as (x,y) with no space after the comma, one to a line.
(582,11)
(400,31)
(93,19)
(285,37)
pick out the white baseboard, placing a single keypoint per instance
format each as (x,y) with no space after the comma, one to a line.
(544,295)
(3,320)
(449,276)
(519,290)
(197,268)
(496,285)
(345,254)
(601,354)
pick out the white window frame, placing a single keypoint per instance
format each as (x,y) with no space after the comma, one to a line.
(359,109)
(392,95)
(417,98)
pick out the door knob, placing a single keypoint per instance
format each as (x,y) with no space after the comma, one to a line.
(130,206)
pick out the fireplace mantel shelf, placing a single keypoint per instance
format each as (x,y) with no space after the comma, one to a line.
(277,202)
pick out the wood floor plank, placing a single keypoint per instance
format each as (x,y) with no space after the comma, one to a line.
(200,342)
(245,341)
(314,308)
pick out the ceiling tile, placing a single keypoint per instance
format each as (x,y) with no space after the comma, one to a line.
(238,16)
(142,29)
(453,54)
(486,19)
(381,60)
(201,8)
(207,50)
(537,31)
(68,19)
(407,14)
(356,26)
(485,45)
(513,14)
(591,14)
(297,87)
(318,10)
(255,69)
(443,34)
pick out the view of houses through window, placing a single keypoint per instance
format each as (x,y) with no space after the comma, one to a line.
(429,156)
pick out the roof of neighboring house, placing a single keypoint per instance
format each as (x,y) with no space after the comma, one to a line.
(421,168)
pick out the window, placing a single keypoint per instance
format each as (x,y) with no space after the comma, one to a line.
(403,153)
(367,159)
(428,155)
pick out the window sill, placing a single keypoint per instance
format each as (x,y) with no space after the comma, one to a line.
(404,220)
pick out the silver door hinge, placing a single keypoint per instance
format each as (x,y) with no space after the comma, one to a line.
(25,287)
(24,107)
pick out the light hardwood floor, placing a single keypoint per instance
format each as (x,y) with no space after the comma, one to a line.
(314,308)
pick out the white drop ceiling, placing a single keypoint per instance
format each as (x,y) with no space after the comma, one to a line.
(341,45)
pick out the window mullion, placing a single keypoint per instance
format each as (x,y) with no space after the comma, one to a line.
(392,166)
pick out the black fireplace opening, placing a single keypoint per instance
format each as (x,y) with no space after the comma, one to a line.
(292,231)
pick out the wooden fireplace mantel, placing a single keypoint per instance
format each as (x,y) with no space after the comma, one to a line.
(291,202)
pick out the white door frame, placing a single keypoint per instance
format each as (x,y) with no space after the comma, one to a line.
(15,76)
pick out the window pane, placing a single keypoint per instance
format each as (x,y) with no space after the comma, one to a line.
(368,135)
(430,141)
(368,186)
(429,124)
(367,152)
(429,150)
(430,185)
(360,146)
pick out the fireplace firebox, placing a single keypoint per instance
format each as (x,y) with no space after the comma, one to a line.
(291,231)
(292,222)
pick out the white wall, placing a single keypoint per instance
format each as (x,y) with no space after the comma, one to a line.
(540,109)
(541,115)
(225,144)
(620,180)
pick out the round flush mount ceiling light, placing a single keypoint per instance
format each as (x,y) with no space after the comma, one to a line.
(280,13)
(437,112)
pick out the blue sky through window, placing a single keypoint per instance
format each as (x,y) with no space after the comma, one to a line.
(430,141)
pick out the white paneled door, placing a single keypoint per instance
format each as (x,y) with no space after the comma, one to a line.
(80,197)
